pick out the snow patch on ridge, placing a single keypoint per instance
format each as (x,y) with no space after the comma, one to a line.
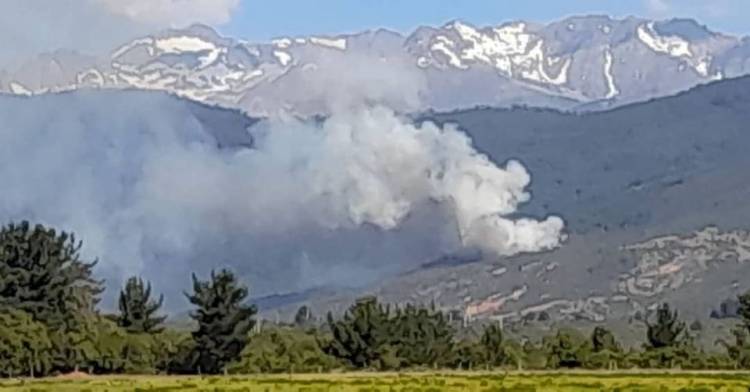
(147,42)
(612,90)
(338,43)
(19,89)
(183,44)
(673,46)
(510,49)
(677,47)
(445,46)
(283,57)
(282,43)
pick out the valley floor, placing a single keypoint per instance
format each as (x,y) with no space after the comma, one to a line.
(443,381)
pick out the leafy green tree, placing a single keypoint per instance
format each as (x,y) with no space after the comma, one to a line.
(421,336)
(223,318)
(182,355)
(567,349)
(744,309)
(668,345)
(606,351)
(667,330)
(493,346)
(283,350)
(361,338)
(172,350)
(603,339)
(137,308)
(468,354)
(303,317)
(537,356)
(739,350)
(25,346)
(41,273)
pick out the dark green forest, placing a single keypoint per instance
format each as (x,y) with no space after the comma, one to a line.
(50,324)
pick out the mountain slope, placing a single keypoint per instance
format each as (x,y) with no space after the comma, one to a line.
(593,62)
(654,196)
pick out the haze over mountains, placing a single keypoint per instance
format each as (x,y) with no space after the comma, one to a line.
(587,62)
(613,189)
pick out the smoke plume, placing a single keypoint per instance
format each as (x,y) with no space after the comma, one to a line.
(362,194)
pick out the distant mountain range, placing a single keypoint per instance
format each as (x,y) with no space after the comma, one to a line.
(654,196)
(651,180)
(586,63)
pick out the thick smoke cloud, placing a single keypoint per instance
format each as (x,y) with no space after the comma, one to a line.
(356,197)
(365,166)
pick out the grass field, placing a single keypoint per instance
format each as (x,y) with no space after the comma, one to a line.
(548,381)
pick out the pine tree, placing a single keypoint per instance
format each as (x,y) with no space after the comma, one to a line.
(492,346)
(606,351)
(739,350)
(744,309)
(567,349)
(421,336)
(41,273)
(224,321)
(303,316)
(361,337)
(137,309)
(602,339)
(667,331)
(24,345)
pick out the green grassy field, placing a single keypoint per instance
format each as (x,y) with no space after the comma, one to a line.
(548,381)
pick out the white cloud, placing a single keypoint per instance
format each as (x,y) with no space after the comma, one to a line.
(30,27)
(174,13)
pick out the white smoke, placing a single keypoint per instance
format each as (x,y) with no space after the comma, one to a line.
(359,195)
(364,166)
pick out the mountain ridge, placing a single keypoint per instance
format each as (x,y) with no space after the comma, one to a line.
(653,203)
(590,62)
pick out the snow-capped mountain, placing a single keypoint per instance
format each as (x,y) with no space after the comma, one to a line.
(579,62)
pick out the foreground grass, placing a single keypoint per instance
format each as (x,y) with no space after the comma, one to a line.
(538,381)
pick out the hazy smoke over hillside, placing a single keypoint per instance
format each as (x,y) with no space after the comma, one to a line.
(345,200)
(366,166)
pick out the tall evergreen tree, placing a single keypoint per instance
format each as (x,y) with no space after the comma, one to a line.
(224,321)
(41,273)
(744,309)
(303,316)
(361,337)
(492,345)
(421,336)
(567,349)
(606,351)
(603,339)
(25,345)
(137,309)
(739,350)
(667,330)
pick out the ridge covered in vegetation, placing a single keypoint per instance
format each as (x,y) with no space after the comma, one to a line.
(49,324)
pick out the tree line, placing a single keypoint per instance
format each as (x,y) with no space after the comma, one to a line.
(50,324)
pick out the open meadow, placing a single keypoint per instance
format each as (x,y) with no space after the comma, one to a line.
(536,381)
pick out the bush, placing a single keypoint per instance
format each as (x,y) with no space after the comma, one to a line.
(283,350)
(24,345)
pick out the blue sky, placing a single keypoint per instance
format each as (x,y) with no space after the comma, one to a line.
(262,19)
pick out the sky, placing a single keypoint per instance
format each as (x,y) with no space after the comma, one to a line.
(29,27)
